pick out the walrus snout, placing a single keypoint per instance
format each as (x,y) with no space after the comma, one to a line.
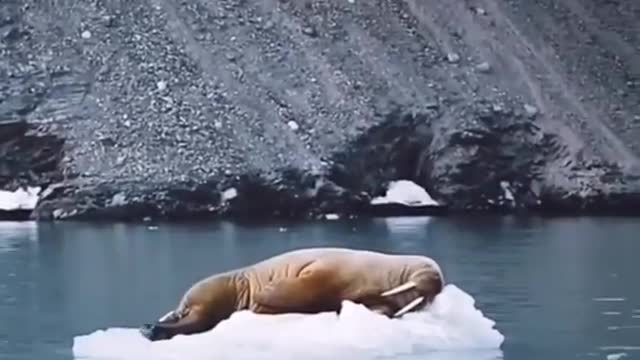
(153,332)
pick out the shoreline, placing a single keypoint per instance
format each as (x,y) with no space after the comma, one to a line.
(372,212)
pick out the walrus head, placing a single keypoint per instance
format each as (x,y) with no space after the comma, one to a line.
(203,306)
(155,333)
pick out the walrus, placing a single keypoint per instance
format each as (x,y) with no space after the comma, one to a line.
(310,280)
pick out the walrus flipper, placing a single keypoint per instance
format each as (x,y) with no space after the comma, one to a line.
(310,293)
(164,330)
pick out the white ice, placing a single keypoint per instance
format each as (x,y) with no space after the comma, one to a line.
(20,199)
(609,299)
(452,328)
(405,192)
(616,356)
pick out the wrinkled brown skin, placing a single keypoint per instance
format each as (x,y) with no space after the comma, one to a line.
(303,281)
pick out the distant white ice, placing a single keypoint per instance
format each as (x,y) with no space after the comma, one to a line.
(609,299)
(611,313)
(451,329)
(20,199)
(407,193)
(616,356)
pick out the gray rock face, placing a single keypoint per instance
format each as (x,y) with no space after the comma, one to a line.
(160,109)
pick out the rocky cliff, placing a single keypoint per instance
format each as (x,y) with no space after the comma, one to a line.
(164,109)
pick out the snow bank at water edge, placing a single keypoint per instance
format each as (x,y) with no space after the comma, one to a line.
(407,193)
(20,199)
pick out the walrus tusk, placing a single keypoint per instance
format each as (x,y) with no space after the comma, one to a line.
(167,316)
(410,306)
(404,287)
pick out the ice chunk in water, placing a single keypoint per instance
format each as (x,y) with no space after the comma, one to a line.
(451,328)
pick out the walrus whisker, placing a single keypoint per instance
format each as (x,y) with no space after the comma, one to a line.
(404,287)
(410,306)
(190,324)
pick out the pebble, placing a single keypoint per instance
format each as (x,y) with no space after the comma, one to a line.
(229,194)
(483,67)
(109,21)
(431,105)
(480,11)
(309,31)
(86,34)
(530,110)
(119,199)
(453,57)
(162,85)
(293,125)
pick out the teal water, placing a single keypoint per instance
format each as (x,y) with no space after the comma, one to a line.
(563,288)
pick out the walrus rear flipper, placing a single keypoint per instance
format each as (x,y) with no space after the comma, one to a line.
(315,291)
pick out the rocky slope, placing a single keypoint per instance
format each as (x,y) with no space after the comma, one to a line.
(255,108)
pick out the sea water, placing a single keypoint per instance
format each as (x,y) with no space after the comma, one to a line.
(518,288)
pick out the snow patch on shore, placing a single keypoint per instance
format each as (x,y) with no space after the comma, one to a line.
(405,192)
(20,199)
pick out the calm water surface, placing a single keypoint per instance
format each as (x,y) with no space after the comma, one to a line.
(558,289)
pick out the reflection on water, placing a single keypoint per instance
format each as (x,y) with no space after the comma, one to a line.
(561,288)
(13,234)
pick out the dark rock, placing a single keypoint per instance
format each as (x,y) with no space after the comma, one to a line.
(28,158)
(12,129)
(186,110)
(15,215)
